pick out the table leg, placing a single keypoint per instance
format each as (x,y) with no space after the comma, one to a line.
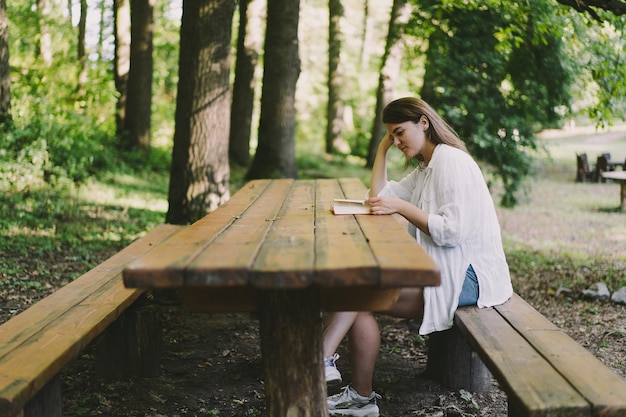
(623,195)
(291,348)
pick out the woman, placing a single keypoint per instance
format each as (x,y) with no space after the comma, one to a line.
(451,214)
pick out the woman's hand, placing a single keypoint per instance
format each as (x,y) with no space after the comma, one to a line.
(392,205)
(384,205)
(385,143)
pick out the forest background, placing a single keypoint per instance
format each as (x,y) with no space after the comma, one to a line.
(80,99)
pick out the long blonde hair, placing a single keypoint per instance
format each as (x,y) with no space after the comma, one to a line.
(411,109)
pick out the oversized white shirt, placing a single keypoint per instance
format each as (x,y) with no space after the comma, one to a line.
(464,230)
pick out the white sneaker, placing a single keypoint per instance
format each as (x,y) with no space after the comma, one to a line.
(333,376)
(349,403)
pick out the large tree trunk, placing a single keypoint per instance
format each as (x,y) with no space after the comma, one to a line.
(275,156)
(249,44)
(334,110)
(199,171)
(5,79)
(121,17)
(139,100)
(389,72)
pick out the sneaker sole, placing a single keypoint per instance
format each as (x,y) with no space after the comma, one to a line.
(355,413)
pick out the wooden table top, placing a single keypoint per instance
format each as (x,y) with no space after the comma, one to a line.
(281,234)
(615,175)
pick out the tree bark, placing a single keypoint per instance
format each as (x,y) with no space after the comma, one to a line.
(334,110)
(249,44)
(199,172)
(5,71)
(389,72)
(121,17)
(81,54)
(275,156)
(139,100)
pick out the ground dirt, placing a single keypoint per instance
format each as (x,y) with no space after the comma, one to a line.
(211,365)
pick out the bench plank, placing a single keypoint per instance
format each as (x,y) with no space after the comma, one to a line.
(598,384)
(534,389)
(37,343)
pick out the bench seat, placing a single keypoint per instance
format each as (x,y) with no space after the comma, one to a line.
(37,343)
(543,371)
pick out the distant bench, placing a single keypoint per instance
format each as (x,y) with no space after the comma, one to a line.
(543,371)
(37,343)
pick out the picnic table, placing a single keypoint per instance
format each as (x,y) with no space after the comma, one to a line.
(621,177)
(276,249)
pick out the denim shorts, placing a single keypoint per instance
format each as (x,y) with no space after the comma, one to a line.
(469,293)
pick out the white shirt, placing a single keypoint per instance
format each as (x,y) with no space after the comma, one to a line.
(464,230)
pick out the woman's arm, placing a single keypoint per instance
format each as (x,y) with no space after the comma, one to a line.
(379,170)
(391,205)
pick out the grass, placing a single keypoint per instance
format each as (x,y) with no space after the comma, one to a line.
(562,234)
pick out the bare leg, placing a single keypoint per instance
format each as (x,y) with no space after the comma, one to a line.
(410,304)
(364,339)
(337,326)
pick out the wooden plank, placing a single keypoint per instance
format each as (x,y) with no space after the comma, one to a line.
(230,255)
(533,386)
(164,267)
(398,254)
(343,257)
(37,343)
(26,324)
(587,374)
(286,257)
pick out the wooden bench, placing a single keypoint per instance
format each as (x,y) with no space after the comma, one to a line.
(543,371)
(37,343)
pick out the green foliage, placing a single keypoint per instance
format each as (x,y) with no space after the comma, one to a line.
(494,72)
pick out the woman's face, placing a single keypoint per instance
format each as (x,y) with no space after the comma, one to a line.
(409,136)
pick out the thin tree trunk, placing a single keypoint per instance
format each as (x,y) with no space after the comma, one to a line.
(249,44)
(334,110)
(365,44)
(275,156)
(81,54)
(121,17)
(45,41)
(390,70)
(200,172)
(5,73)
(139,100)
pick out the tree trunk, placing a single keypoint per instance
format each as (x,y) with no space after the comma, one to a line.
(275,156)
(5,73)
(199,171)
(334,110)
(365,34)
(121,17)
(249,44)
(45,41)
(81,54)
(139,100)
(390,70)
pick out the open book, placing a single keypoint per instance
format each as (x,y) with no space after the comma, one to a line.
(346,206)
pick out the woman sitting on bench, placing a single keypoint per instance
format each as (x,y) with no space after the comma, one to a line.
(451,214)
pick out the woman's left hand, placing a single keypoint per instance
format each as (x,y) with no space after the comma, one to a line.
(384,205)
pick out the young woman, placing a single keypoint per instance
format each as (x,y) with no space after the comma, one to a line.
(451,214)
